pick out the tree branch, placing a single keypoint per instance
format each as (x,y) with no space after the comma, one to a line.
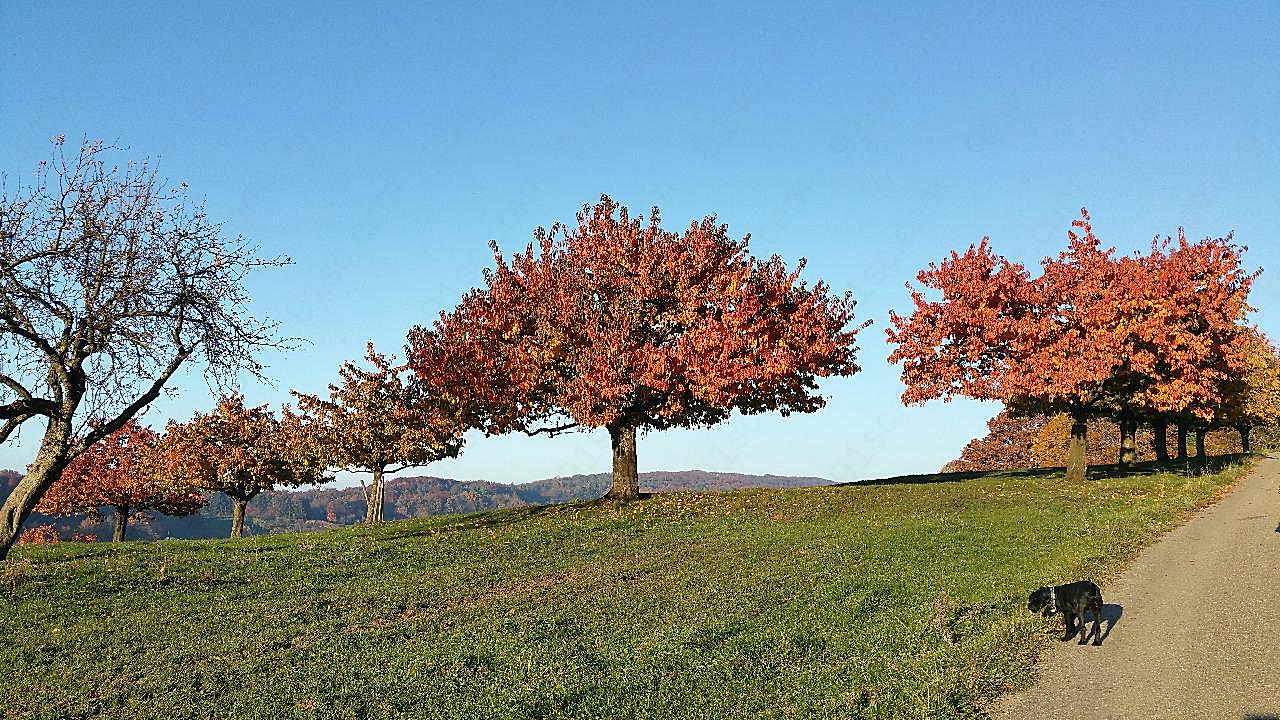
(13,424)
(552,431)
(17,387)
(136,406)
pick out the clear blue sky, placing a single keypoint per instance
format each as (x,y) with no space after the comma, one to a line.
(382,147)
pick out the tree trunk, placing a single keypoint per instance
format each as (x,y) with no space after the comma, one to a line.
(373,498)
(122,523)
(626,478)
(380,504)
(1161,429)
(1183,431)
(43,472)
(1128,442)
(1245,432)
(1078,460)
(238,506)
(1200,453)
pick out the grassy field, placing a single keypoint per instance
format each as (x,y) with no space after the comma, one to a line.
(892,600)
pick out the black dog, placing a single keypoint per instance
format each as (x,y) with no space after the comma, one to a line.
(1071,600)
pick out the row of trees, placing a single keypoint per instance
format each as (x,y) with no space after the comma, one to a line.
(615,323)
(373,422)
(1160,337)
(118,472)
(1016,442)
(237,450)
(111,280)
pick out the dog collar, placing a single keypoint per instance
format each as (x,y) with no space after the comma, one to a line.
(1053,600)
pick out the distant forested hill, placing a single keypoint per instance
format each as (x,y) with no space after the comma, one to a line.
(409,497)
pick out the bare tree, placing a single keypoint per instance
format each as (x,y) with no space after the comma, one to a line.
(110,280)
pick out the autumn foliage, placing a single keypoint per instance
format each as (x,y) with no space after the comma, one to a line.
(240,451)
(380,421)
(1252,399)
(1015,442)
(615,322)
(116,472)
(1008,445)
(1093,335)
(39,535)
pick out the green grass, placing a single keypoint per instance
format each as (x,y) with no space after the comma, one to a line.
(900,599)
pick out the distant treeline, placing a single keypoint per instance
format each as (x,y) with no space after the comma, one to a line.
(410,497)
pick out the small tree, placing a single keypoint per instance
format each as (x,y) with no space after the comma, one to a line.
(239,451)
(378,421)
(619,324)
(114,472)
(1253,398)
(110,280)
(39,535)
(1008,445)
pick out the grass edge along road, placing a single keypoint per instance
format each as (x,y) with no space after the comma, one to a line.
(897,598)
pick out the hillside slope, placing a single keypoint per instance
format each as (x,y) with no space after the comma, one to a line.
(902,599)
(410,497)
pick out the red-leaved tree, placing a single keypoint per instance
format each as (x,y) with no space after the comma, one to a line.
(378,421)
(239,451)
(620,324)
(1008,445)
(1184,340)
(115,472)
(1092,336)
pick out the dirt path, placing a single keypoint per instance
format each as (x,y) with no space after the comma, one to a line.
(1197,625)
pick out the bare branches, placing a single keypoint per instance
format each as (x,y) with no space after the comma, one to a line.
(12,424)
(110,280)
(17,387)
(146,398)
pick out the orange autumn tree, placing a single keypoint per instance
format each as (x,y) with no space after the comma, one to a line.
(617,323)
(379,422)
(1073,337)
(240,452)
(1008,445)
(1093,336)
(115,472)
(1039,345)
(1187,340)
(1252,399)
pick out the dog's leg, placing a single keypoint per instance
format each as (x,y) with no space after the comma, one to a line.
(1066,621)
(1097,619)
(1084,628)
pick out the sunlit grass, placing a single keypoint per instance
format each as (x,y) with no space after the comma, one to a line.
(890,600)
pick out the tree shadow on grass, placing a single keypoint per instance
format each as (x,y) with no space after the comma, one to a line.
(1096,472)
(1189,467)
(953,477)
